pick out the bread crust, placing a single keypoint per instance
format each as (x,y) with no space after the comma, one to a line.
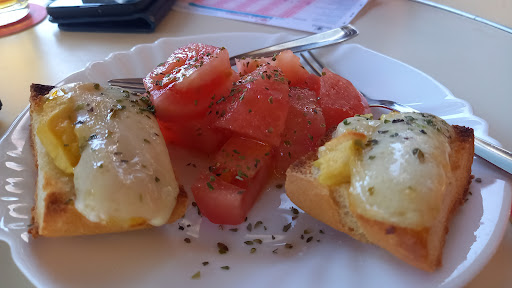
(54,213)
(317,199)
(421,247)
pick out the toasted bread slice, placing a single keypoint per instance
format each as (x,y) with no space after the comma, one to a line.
(54,213)
(320,201)
(420,246)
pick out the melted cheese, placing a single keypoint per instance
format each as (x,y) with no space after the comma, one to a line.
(404,169)
(124,173)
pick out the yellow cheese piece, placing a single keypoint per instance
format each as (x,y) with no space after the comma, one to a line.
(335,158)
(57,134)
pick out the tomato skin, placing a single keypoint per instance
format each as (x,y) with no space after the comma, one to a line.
(339,99)
(227,192)
(257,106)
(182,87)
(304,130)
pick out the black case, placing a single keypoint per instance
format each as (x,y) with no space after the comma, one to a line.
(142,18)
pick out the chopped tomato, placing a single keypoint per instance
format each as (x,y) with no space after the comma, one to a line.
(182,87)
(291,67)
(305,127)
(220,201)
(248,65)
(289,64)
(239,160)
(272,106)
(195,134)
(339,99)
(311,82)
(256,107)
(227,193)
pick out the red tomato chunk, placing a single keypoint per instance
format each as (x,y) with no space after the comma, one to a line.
(256,107)
(220,201)
(305,127)
(228,191)
(240,159)
(339,99)
(182,87)
(291,67)
(195,134)
(248,65)
(289,64)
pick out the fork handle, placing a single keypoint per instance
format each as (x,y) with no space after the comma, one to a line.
(494,154)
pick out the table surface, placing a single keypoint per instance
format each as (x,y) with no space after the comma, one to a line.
(471,59)
(497,11)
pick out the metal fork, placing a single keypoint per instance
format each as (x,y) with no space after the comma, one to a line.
(488,151)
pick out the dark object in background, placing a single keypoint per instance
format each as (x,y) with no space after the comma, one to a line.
(126,16)
(0,104)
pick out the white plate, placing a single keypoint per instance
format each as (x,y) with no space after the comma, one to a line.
(160,258)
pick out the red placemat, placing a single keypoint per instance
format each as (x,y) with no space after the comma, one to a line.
(35,15)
